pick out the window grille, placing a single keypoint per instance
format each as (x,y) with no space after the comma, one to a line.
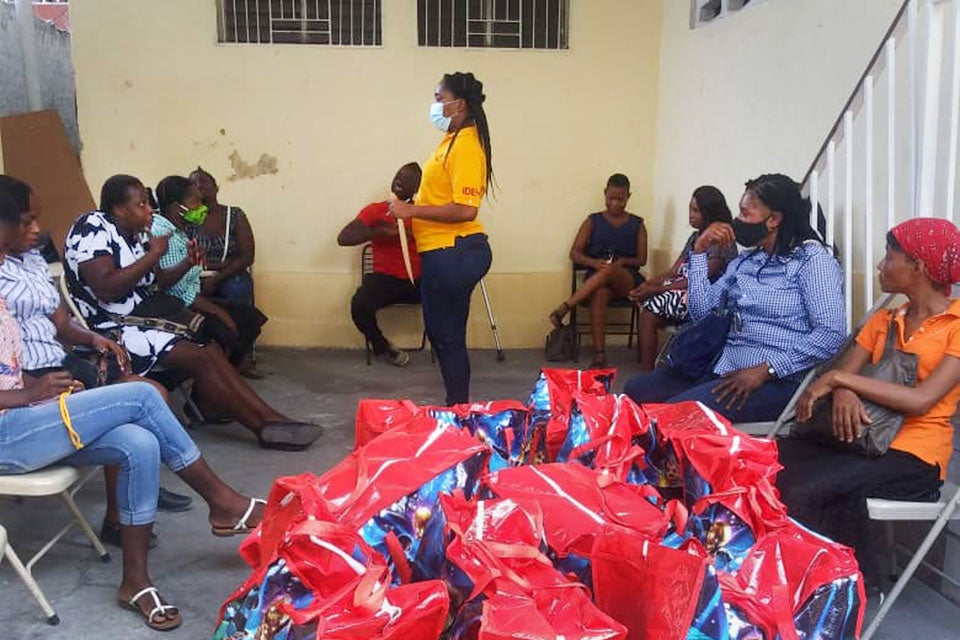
(705,11)
(504,24)
(324,22)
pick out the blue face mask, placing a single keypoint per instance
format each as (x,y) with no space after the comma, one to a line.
(439,120)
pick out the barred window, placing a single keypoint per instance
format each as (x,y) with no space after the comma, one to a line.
(505,24)
(324,22)
(705,11)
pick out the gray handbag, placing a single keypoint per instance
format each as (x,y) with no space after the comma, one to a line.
(894,366)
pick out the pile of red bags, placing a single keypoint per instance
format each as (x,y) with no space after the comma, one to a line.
(579,515)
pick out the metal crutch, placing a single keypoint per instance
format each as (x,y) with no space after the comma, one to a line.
(493,322)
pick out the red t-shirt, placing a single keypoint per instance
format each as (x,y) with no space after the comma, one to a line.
(387,254)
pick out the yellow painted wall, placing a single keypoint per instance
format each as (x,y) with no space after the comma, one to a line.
(157,95)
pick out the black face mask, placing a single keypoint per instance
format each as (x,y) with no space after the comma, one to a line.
(749,234)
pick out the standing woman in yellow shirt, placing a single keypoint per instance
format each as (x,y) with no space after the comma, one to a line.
(453,247)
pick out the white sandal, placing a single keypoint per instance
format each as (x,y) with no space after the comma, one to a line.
(241,528)
(159,608)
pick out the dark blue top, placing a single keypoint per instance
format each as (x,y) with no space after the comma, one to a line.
(608,241)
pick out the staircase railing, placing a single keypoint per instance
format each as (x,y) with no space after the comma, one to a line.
(917,173)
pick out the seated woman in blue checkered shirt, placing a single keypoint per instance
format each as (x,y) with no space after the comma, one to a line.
(786,294)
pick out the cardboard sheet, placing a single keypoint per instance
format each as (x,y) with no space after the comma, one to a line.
(37,151)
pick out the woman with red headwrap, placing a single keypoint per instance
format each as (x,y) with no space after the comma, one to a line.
(826,488)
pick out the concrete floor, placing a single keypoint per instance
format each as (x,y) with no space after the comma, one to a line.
(197,571)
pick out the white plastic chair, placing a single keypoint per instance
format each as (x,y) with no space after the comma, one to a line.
(6,551)
(890,511)
(61,481)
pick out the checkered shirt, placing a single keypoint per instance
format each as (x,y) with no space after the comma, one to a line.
(788,311)
(187,287)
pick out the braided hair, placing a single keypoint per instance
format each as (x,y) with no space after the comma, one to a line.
(713,206)
(781,194)
(466,87)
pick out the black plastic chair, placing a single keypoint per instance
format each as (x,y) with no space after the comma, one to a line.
(366,266)
(614,328)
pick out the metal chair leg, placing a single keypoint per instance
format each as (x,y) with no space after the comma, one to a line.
(84,526)
(891,548)
(35,591)
(911,567)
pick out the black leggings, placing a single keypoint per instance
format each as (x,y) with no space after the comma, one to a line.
(826,489)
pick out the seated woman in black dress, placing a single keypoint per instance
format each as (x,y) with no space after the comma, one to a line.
(612,245)
(826,487)
(110,268)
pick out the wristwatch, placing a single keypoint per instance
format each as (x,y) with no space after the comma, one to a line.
(771,371)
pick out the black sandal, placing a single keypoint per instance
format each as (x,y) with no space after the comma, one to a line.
(599,361)
(558,314)
(289,436)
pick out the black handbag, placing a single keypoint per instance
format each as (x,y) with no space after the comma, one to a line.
(894,366)
(697,346)
(561,344)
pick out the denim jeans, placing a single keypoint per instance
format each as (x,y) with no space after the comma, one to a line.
(764,404)
(124,424)
(447,282)
(238,288)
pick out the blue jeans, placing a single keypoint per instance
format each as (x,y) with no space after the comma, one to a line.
(447,282)
(238,288)
(763,405)
(124,424)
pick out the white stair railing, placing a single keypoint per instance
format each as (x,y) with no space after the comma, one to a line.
(913,79)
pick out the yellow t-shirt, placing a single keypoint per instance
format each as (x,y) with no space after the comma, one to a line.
(930,436)
(460,177)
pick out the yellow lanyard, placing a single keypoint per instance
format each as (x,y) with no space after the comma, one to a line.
(68,423)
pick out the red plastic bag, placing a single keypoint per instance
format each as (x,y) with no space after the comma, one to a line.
(373,611)
(813,575)
(365,483)
(551,403)
(500,425)
(604,432)
(772,617)
(650,589)
(350,584)
(723,456)
(389,468)
(522,595)
(324,569)
(553,612)
(578,502)
(379,416)
(504,521)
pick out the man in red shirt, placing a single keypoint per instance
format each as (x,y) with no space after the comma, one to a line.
(389,283)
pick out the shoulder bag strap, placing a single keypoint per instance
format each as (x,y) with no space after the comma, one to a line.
(226,236)
(890,345)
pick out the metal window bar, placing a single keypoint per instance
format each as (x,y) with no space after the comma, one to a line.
(507,24)
(340,23)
